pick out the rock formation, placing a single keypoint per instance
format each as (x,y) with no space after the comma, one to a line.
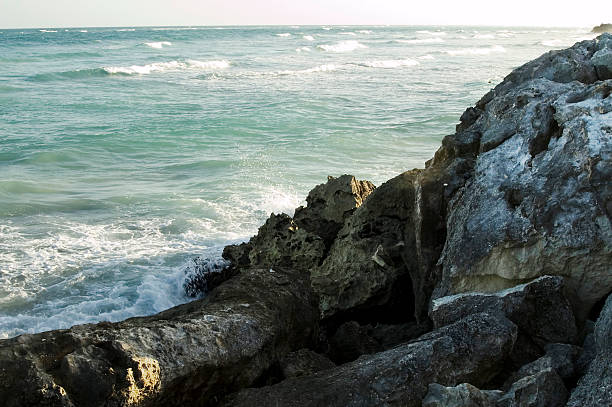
(474,281)
(602,28)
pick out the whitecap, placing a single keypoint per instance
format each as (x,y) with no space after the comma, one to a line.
(125,29)
(303,49)
(158,45)
(421,41)
(476,51)
(394,63)
(320,68)
(342,46)
(82,31)
(308,38)
(326,28)
(284,35)
(552,43)
(484,36)
(436,33)
(48,31)
(365,31)
(166,66)
(426,57)
(348,33)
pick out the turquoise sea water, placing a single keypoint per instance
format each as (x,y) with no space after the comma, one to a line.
(125,152)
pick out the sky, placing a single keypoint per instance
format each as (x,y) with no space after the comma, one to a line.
(115,13)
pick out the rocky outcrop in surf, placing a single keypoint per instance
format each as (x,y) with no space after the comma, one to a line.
(483,279)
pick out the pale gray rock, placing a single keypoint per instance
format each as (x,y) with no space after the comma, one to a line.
(189,355)
(463,395)
(471,350)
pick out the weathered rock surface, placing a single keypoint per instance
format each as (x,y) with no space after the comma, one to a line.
(190,354)
(595,387)
(530,306)
(471,350)
(560,357)
(301,242)
(539,200)
(463,395)
(542,389)
(304,362)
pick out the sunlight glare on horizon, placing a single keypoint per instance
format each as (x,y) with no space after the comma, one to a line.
(78,13)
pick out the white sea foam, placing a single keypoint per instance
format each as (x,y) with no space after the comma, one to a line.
(308,38)
(436,33)
(48,31)
(342,46)
(348,33)
(421,41)
(125,29)
(167,66)
(320,68)
(477,51)
(426,57)
(284,35)
(365,31)
(552,43)
(326,28)
(159,44)
(484,36)
(394,63)
(303,49)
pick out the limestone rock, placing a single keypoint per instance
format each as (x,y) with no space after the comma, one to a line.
(471,350)
(595,387)
(539,200)
(463,395)
(538,308)
(190,354)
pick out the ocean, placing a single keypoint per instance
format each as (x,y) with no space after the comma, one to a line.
(126,152)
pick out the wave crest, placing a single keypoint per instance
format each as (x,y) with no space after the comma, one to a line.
(476,51)
(395,63)
(158,45)
(342,46)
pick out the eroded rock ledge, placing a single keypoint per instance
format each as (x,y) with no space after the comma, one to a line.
(480,280)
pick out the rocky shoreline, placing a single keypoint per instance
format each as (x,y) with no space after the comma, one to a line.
(482,280)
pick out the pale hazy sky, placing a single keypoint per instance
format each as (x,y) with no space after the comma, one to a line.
(88,13)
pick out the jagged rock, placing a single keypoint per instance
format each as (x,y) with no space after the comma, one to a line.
(602,28)
(538,308)
(304,362)
(329,204)
(595,387)
(463,395)
(302,242)
(190,354)
(539,200)
(471,350)
(543,389)
(560,357)
(278,243)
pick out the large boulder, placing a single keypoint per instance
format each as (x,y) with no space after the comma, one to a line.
(189,355)
(463,395)
(539,308)
(471,350)
(539,200)
(595,387)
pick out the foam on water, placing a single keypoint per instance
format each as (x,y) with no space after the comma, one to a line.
(394,63)
(308,38)
(284,35)
(158,45)
(342,46)
(421,41)
(166,66)
(477,51)
(303,49)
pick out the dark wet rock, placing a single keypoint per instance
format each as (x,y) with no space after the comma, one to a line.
(204,274)
(352,340)
(304,362)
(543,389)
(190,354)
(463,395)
(539,199)
(530,306)
(602,28)
(595,387)
(471,350)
